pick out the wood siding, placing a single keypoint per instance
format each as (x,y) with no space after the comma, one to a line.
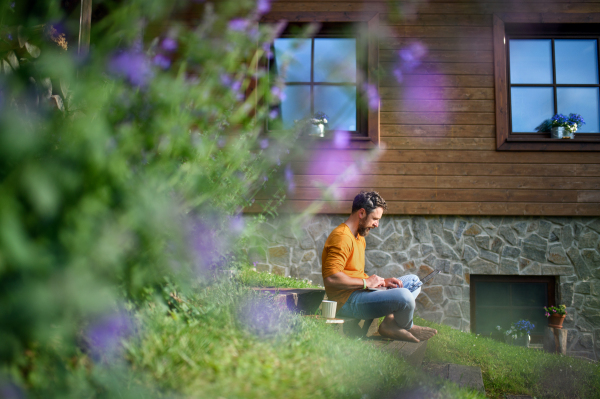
(437,124)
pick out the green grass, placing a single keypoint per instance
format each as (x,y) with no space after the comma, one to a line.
(517,370)
(252,278)
(236,343)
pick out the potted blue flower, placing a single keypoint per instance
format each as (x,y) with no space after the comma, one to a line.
(564,127)
(519,333)
(319,121)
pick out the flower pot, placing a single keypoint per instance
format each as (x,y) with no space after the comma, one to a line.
(558,132)
(556,320)
(318,130)
(519,341)
(568,135)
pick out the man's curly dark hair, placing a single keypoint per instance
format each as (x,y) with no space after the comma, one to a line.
(369,200)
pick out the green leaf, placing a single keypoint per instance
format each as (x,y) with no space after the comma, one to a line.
(33,50)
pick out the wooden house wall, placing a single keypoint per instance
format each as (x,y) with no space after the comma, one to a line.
(437,126)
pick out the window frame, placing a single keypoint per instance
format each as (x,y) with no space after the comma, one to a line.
(505,139)
(371,19)
(479,278)
(337,30)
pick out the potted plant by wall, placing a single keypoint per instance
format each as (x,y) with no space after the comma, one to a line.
(556,315)
(319,121)
(519,333)
(564,127)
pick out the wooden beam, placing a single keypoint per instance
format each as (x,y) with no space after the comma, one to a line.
(373,77)
(85,26)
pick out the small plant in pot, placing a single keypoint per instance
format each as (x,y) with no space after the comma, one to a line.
(556,315)
(518,333)
(319,121)
(564,127)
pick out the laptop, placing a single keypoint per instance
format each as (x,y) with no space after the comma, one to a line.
(413,286)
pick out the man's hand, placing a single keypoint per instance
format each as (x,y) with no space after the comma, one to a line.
(393,283)
(375,281)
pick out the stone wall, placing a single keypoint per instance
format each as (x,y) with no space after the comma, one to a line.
(568,248)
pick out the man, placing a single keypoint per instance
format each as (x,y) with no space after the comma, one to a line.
(346,281)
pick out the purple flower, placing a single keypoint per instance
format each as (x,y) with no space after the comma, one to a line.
(265,178)
(398,75)
(169,44)
(161,61)
(10,37)
(372,96)
(12,5)
(264,143)
(133,66)
(236,224)
(289,178)
(221,143)
(278,93)
(238,24)
(263,317)
(263,6)
(273,114)
(10,390)
(341,139)
(104,336)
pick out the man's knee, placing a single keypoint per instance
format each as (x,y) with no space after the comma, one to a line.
(404,298)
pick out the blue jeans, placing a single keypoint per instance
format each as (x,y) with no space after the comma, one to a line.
(364,305)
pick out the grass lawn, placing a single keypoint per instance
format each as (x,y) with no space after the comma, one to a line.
(230,341)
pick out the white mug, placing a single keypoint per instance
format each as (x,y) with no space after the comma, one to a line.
(328,309)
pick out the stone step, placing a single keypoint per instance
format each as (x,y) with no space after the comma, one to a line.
(411,352)
(463,376)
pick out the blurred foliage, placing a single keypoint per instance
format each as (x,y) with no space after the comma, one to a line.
(252,278)
(140,176)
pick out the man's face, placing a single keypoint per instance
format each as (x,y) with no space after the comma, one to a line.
(368,222)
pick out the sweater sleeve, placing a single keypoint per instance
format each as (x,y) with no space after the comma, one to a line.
(336,253)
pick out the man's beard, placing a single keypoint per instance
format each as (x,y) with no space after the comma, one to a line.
(363,230)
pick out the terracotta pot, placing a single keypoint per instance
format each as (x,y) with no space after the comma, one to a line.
(556,320)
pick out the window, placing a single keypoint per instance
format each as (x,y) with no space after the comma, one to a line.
(544,65)
(324,73)
(503,300)
(334,26)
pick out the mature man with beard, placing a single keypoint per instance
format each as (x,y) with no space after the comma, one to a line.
(346,281)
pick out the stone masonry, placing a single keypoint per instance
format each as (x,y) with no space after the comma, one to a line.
(565,247)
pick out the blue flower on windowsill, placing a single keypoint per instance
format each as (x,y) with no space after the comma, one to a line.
(570,124)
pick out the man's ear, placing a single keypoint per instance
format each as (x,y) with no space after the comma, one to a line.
(362,213)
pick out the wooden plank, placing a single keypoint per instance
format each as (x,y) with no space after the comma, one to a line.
(438,105)
(439,31)
(458,182)
(443,68)
(443,56)
(437,93)
(501,91)
(438,143)
(448,195)
(437,43)
(476,8)
(373,77)
(511,17)
(438,131)
(326,167)
(85,26)
(436,19)
(449,208)
(584,160)
(312,16)
(434,118)
(588,196)
(439,81)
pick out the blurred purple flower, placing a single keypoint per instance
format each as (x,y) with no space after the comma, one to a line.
(9,390)
(278,93)
(262,317)
(133,66)
(273,114)
(104,337)
(238,24)
(169,44)
(221,143)
(267,49)
(263,6)
(289,178)
(161,61)
(398,75)
(372,96)
(264,143)
(236,224)
(341,139)
(226,80)
(265,178)
(12,5)
(10,37)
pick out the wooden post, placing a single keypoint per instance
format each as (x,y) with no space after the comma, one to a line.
(85,26)
(560,339)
